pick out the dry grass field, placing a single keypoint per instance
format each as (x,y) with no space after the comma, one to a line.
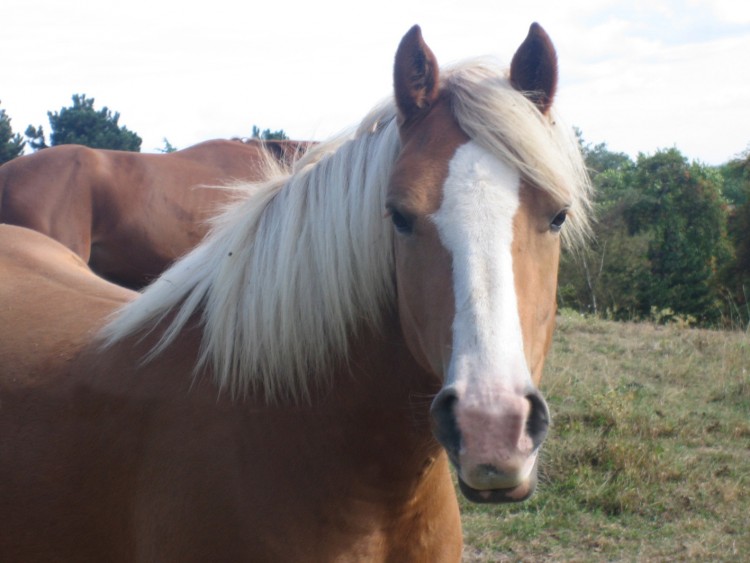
(648,458)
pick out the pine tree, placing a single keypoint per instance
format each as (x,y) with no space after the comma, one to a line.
(11,144)
(82,124)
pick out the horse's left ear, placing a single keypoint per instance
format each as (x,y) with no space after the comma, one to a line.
(415,76)
(533,70)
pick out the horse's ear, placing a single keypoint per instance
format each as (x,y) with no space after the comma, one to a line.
(415,76)
(533,70)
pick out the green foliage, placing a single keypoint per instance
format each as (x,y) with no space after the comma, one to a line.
(600,159)
(168,147)
(11,144)
(737,276)
(603,278)
(741,239)
(683,210)
(660,244)
(82,124)
(268,135)
(35,137)
(736,175)
(737,189)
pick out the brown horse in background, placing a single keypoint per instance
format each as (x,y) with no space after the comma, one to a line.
(130,215)
(297,386)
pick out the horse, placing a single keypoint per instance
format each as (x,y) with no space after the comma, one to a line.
(129,215)
(298,386)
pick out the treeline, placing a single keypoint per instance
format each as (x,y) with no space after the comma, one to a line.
(82,124)
(671,241)
(79,124)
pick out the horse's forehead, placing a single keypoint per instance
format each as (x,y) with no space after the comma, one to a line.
(423,165)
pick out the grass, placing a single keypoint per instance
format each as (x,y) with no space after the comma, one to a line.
(648,458)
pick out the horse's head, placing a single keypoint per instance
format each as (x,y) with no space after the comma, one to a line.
(477,247)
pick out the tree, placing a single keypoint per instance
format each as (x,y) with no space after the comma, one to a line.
(602,278)
(660,240)
(168,147)
(736,175)
(35,137)
(82,124)
(737,276)
(268,135)
(683,210)
(11,144)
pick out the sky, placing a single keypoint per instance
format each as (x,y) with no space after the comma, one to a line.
(637,75)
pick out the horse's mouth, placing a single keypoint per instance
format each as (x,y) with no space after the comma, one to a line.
(516,493)
(495,496)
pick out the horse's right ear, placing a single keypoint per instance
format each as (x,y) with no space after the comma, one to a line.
(533,70)
(415,76)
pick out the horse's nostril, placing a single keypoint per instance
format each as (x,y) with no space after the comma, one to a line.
(537,423)
(444,419)
(499,434)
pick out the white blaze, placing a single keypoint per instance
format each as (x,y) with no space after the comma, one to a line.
(475,223)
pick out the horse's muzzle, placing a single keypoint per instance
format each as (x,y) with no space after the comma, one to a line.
(492,440)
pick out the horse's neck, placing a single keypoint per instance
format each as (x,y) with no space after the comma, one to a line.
(382,384)
(379,435)
(359,461)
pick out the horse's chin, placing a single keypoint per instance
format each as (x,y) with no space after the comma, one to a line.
(496,496)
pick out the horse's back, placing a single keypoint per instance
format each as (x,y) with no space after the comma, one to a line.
(249,158)
(224,154)
(51,304)
(130,215)
(156,207)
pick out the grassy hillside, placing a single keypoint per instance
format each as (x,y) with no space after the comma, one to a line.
(649,453)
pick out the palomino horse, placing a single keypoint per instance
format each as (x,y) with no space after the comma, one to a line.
(296,387)
(130,215)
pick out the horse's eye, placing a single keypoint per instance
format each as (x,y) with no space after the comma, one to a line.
(402,223)
(558,221)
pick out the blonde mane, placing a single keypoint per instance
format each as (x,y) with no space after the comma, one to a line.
(291,269)
(541,147)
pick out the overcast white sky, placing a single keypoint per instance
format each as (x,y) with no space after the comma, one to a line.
(638,75)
